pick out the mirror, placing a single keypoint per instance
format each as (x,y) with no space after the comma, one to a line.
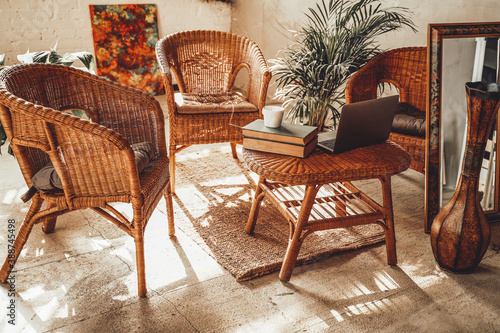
(452,55)
(465,59)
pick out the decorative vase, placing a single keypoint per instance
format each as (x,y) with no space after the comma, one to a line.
(460,233)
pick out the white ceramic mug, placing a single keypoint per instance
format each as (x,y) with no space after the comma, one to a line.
(273,115)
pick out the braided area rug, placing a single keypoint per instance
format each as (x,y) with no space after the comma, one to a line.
(213,199)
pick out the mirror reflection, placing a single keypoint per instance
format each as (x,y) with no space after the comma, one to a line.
(465,60)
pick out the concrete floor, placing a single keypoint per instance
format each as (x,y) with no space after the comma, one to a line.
(82,279)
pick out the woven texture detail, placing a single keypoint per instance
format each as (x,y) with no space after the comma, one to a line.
(384,159)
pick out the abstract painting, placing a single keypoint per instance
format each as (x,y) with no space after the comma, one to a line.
(124,43)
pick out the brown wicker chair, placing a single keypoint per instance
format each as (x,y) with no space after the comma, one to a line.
(406,68)
(94,160)
(205,65)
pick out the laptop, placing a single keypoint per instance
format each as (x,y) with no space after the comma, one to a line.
(361,124)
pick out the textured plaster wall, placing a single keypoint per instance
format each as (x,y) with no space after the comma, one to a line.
(268,22)
(38,24)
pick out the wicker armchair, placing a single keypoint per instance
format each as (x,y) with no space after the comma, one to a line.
(205,65)
(94,160)
(406,68)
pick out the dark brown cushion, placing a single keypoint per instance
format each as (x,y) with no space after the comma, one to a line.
(202,104)
(409,120)
(47,179)
(143,152)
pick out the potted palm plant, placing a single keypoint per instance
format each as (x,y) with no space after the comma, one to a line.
(338,38)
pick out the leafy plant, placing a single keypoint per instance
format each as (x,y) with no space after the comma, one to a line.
(338,38)
(52,57)
(49,57)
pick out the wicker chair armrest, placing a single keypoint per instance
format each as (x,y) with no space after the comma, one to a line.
(259,77)
(167,79)
(92,160)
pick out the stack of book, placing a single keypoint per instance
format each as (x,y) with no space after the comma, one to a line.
(288,139)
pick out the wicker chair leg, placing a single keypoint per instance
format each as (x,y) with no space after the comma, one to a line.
(233,150)
(170,211)
(49,224)
(171,157)
(141,270)
(21,238)
(390,237)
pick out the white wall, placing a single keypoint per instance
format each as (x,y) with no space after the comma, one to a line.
(38,24)
(267,21)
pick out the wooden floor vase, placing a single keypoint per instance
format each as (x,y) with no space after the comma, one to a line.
(460,233)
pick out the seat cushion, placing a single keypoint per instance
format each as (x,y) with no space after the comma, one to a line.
(203,104)
(47,179)
(143,152)
(409,120)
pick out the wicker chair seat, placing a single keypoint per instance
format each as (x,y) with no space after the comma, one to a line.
(205,104)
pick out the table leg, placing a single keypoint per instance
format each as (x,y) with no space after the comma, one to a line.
(296,239)
(254,212)
(390,237)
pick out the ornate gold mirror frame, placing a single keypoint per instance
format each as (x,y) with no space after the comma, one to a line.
(436,33)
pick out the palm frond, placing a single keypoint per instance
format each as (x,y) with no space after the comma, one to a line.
(338,38)
(2,62)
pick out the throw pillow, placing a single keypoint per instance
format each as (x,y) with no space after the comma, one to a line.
(409,120)
(47,179)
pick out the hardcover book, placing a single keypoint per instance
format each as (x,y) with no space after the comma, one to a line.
(282,148)
(290,133)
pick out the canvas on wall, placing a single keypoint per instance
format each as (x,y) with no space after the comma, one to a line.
(124,43)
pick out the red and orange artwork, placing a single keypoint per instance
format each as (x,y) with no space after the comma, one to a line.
(124,43)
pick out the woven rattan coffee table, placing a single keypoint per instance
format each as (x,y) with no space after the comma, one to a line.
(315,193)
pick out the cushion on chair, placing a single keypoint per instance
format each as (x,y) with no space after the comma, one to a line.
(409,120)
(203,104)
(143,153)
(47,179)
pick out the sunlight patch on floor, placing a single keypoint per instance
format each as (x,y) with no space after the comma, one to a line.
(385,281)
(196,152)
(228,191)
(196,199)
(436,276)
(373,297)
(9,197)
(48,310)
(124,253)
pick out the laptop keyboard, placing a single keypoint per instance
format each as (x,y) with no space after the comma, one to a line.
(328,144)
